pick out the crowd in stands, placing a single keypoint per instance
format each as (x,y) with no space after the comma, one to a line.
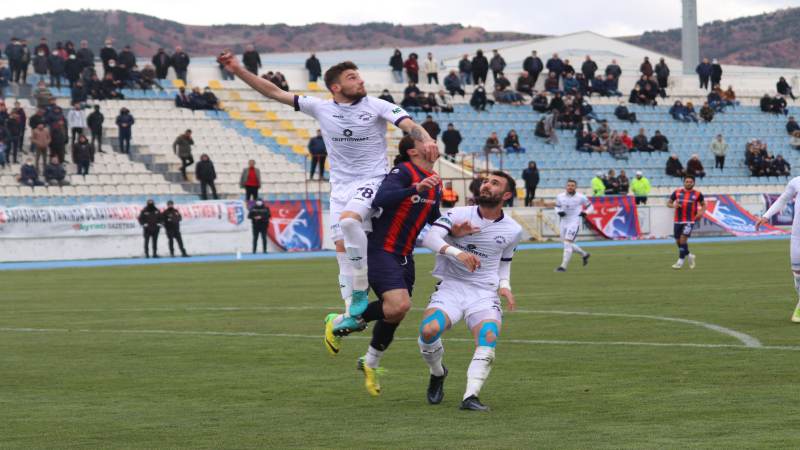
(197,100)
(761,163)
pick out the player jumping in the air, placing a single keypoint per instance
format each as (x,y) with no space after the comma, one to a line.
(572,207)
(473,296)
(354,130)
(792,189)
(689,206)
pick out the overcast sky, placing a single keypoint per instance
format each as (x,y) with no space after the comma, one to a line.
(612,18)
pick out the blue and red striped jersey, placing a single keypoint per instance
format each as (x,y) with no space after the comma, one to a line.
(404,211)
(686,204)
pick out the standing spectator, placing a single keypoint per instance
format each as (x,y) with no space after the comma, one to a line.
(95,123)
(716,73)
(205,174)
(250,181)
(314,68)
(259,215)
(161,62)
(511,143)
(613,70)
(611,183)
(694,167)
(171,218)
(432,69)
(125,123)
(396,63)
(432,127)
(58,141)
(108,54)
(449,195)
(646,68)
(555,66)
(28,175)
(127,58)
(55,66)
(465,70)
(783,88)
(252,60)
(624,182)
(14,55)
(480,68)
(533,65)
(82,155)
(497,64)
(674,167)
(76,121)
(662,75)
(85,55)
(40,140)
(180,63)
(531,177)
(451,139)
(55,174)
(227,75)
(182,146)
(412,68)
(25,59)
(15,126)
(589,68)
(598,185)
(641,188)
(703,71)
(719,148)
(318,152)
(452,83)
(150,220)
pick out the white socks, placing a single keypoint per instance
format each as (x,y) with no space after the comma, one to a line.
(355,243)
(575,248)
(373,358)
(433,354)
(567,255)
(345,279)
(479,370)
(796,282)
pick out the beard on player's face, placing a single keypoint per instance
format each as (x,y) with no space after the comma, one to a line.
(489,199)
(354,93)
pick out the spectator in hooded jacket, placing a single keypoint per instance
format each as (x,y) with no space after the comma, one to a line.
(674,167)
(497,64)
(451,139)
(703,71)
(314,68)
(318,153)
(662,75)
(479,100)
(205,174)
(412,68)
(125,123)
(480,68)
(511,143)
(533,65)
(531,177)
(161,61)
(180,63)
(251,59)
(150,220)
(396,63)
(784,88)
(82,155)
(716,73)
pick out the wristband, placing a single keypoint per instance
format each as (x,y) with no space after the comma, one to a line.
(452,251)
(505,284)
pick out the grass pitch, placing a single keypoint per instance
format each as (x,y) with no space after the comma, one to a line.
(231,356)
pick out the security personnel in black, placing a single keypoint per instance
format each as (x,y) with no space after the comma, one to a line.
(150,219)
(260,215)
(171,218)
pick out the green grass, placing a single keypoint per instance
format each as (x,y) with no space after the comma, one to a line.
(99,379)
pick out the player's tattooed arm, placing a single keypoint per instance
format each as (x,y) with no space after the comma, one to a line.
(415,130)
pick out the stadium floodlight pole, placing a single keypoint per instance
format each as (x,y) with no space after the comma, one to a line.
(689,41)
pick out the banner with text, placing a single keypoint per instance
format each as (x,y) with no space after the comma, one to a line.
(785,216)
(731,217)
(615,217)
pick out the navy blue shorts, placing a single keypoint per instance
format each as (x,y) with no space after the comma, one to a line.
(387,271)
(682,229)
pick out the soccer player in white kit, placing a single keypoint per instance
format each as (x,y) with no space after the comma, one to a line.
(790,194)
(571,207)
(470,288)
(353,127)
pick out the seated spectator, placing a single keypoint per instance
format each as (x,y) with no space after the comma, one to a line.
(599,86)
(502,82)
(55,174)
(583,143)
(148,79)
(641,143)
(444,101)
(603,131)
(649,94)
(774,105)
(540,103)
(584,109)
(511,143)
(611,183)
(596,144)
(452,82)
(617,148)
(622,113)
(551,83)
(729,97)
(505,96)
(525,84)
(714,99)
(784,88)
(182,99)
(386,96)
(611,84)
(412,87)
(695,167)
(583,84)
(780,167)
(210,100)
(196,99)
(411,102)
(429,103)
(492,144)
(659,142)
(756,162)
(568,120)
(28,175)
(626,139)
(557,103)
(674,167)
(571,86)
(795,140)
(479,100)
(792,125)
(706,113)
(678,112)
(690,112)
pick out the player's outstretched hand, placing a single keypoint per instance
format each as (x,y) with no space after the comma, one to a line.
(463,229)
(431,150)
(470,261)
(228,61)
(506,293)
(760,221)
(428,183)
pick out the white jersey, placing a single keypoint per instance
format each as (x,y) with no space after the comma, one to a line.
(789,194)
(572,206)
(495,241)
(354,135)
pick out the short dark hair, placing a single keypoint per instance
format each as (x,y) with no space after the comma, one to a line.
(570,180)
(334,72)
(689,176)
(511,184)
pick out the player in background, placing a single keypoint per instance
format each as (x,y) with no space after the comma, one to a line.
(572,207)
(789,194)
(689,206)
(354,130)
(408,199)
(473,296)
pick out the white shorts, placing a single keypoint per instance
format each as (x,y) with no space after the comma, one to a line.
(355,196)
(462,300)
(569,231)
(794,252)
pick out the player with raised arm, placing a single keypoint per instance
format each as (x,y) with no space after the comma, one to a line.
(689,205)
(473,296)
(353,127)
(789,194)
(571,207)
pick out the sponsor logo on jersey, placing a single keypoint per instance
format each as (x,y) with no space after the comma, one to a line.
(418,199)
(347,132)
(472,248)
(396,111)
(348,137)
(338,116)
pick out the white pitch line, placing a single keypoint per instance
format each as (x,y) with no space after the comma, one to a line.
(746,339)
(304,336)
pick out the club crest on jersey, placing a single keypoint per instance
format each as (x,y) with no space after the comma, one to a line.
(365,116)
(500,240)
